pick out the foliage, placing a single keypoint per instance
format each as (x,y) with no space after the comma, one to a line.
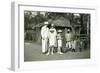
(33,18)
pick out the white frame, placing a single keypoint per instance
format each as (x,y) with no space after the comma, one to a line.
(17,59)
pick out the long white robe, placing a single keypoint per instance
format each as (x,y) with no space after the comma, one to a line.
(44,34)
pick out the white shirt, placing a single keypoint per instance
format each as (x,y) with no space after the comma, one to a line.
(68,36)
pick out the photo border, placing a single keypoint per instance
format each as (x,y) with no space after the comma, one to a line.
(16,59)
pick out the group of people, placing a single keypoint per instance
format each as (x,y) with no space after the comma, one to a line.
(53,38)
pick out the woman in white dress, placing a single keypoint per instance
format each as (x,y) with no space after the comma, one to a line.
(52,39)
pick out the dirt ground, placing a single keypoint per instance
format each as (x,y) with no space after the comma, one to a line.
(33,52)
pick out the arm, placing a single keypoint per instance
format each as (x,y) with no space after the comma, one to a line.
(42,32)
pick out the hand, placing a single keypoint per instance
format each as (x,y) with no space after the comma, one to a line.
(43,38)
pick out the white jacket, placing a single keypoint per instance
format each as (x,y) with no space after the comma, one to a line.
(44,32)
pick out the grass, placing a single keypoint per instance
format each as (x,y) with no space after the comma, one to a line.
(33,52)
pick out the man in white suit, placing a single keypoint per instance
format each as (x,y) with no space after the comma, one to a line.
(44,34)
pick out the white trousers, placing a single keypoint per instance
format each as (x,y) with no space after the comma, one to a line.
(68,44)
(44,45)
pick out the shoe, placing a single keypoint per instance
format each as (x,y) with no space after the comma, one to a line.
(52,53)
(60,53)
(47,54)
(44,52)
(73,50)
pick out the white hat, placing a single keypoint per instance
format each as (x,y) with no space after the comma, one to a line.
(59,30)
(46,22)
(52,24)
(68,29)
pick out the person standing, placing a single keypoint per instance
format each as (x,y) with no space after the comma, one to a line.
(74,45)
(52,39)
(44,35)
(59,41)
(68,36)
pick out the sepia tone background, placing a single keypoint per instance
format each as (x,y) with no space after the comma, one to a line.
(33,21)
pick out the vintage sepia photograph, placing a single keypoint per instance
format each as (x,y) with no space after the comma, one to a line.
(56,36)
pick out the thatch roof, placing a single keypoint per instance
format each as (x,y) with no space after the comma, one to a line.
(61,22)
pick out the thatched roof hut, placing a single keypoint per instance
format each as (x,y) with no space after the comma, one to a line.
(61,22)
(58,23)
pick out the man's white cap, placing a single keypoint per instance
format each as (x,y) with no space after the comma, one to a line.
(68,29)
(52,24)
(46,22)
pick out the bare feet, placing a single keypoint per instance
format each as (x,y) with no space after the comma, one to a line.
(60,52)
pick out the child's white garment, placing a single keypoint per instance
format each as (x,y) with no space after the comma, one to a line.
(74,44)
(68,37)
(59,39)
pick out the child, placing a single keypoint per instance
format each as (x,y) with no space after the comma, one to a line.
(68,37)
(73,45)
(81,45)
(59,41)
